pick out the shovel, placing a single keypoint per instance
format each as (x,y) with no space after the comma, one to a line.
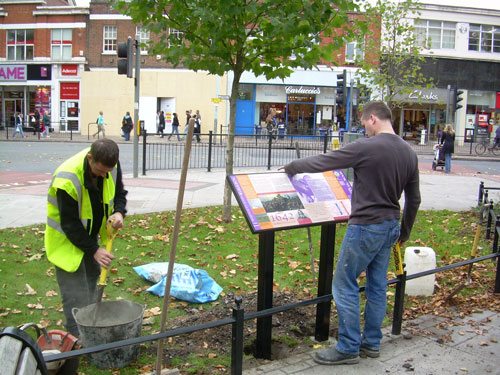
(473,253)
(104,271)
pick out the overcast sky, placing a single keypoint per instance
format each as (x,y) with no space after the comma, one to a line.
(482,4)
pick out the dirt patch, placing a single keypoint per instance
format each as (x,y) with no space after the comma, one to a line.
(292,332)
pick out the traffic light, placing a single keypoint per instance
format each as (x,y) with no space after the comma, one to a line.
(126,57)
(341,97)
(457,98)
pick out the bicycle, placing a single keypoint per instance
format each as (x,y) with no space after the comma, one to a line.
(493,148)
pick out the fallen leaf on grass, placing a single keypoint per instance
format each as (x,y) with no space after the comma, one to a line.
(51,293)
(37,306)
(29,290)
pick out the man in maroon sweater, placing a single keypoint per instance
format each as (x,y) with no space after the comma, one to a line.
(384,166)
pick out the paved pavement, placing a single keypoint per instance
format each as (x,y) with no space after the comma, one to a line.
(430,345)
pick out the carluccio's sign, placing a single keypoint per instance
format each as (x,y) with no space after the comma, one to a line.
(302,90)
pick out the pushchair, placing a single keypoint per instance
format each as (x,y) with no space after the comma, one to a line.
(438,157)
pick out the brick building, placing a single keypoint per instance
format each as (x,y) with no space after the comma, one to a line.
(42,58)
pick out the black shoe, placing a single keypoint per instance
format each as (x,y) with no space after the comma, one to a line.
(331,356)
(367,352)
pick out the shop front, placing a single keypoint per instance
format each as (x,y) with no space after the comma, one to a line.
(28,89)
(25,89)
(294,110)
(482,113)
(423,113)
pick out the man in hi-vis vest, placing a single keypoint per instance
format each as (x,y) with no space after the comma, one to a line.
(86,192)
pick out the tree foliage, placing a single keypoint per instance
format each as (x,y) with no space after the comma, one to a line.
(397,51)
(270,38)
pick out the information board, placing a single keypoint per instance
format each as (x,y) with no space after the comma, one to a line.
(275,201)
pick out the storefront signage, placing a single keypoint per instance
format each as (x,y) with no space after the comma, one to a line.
(419,95)
(70,90)
(69,70)
(302,90)
(13,73)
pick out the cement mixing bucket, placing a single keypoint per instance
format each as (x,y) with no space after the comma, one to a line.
(116,320)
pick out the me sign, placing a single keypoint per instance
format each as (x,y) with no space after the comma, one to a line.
(13,73)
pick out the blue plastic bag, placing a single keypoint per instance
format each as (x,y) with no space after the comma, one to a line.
(188,284)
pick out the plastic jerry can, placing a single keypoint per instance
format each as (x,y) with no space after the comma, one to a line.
(419,259)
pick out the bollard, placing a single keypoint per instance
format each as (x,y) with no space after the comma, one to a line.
(237,338)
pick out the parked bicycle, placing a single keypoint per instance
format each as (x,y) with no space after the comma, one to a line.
(481,148)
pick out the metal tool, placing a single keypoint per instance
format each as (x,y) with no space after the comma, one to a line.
(104,271)
(479,227)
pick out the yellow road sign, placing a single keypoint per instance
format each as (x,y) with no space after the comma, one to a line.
(216,100)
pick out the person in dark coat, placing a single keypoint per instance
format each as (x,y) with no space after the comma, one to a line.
(175,128)
(161,126)
(127,126)
(448,142)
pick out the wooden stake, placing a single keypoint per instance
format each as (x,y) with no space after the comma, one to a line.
(175,237)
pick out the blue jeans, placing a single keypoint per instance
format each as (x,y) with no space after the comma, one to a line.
(447,163)
(365,247)
(18,129)
(175,130)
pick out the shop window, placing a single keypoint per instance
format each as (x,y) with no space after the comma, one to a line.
(109,38)
(353,52)
(245,92)
(61,44)
(143,37)
(433,34)
(484,38)
(20,44)
(175,36)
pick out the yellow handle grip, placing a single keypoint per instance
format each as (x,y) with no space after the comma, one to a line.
(396,251)
(109,248)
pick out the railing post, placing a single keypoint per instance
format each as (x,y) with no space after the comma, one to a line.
(71,133)
(210,137)
(269,151)
(480,196)
(489,221)
(144,135)
(495,235)
(325,143)
(237,338)
(399,300)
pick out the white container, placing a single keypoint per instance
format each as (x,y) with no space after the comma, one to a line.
(419,259)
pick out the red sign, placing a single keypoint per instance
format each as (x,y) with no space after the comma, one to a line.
(69,70)
(70,90)
(497,106)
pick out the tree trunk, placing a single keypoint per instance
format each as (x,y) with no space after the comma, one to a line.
(226,212)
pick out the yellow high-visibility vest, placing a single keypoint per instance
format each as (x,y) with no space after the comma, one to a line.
(70,178)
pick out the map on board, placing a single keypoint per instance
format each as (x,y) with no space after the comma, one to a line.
(274,201)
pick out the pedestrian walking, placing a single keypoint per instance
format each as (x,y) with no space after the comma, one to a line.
(100,125)
(175,127)
(197,129)
(36,125)
(373,228)
(186,127)
(18,125)
(448,142)
(161,124)
(45,125)
(86,192)
(127,126)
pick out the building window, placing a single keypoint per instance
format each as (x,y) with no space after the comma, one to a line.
(109,38)
(484,38)
(143,37)
(432,34)
(61,44)
(353,52)
(174,35)
(20,44)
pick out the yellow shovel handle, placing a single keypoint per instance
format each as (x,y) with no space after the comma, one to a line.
(109,248)
(396,251)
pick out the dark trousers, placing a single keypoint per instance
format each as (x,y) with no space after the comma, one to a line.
(78,289)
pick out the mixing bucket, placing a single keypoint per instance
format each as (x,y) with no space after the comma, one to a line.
(116,320)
